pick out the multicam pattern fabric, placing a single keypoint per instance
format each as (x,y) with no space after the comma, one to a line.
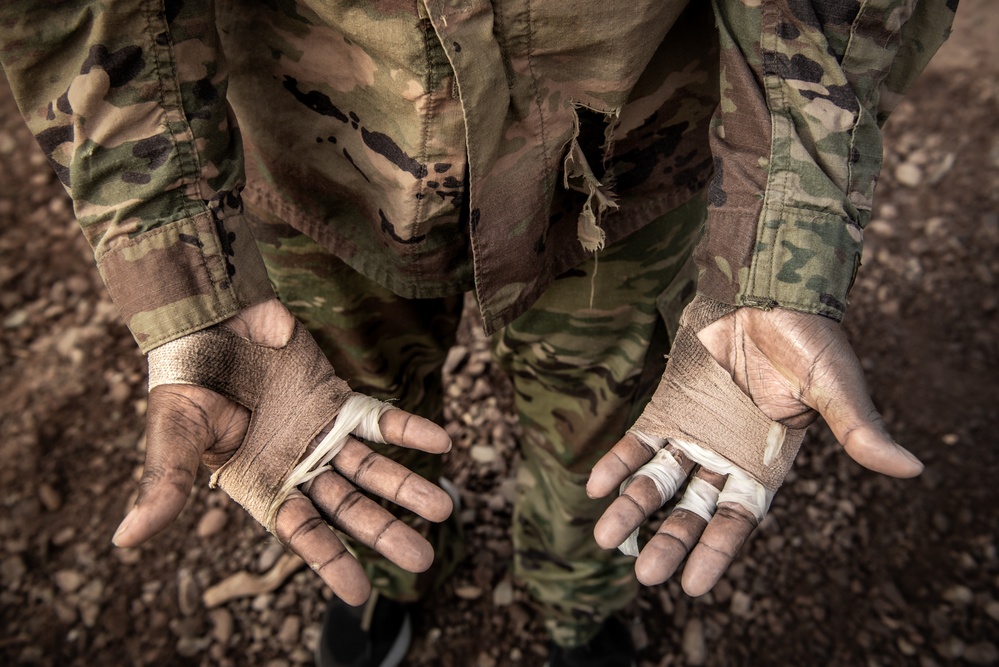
(447,145)
(127,102)
(583,361)
(797,141)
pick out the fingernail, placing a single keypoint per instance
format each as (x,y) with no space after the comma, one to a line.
(908,454)
(124,526)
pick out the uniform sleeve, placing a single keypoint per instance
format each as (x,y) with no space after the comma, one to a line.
(805,88)
(127,100)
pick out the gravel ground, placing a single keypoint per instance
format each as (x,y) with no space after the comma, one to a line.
(849,568)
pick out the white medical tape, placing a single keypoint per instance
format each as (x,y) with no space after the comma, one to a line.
(665,472)
(739,487)
(749,493)
(700,498)
(359,415)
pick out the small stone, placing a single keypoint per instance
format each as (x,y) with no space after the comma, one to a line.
(908,174)
(723,591)
(905,647)
(468,592)
(485,660)
(291,627)
(12,571)
(93,591)
(69,581)
(64,536)
(269,556)
(880,228)
(959,595)
(508,489)
(211,522)
(15,319)
(992,609)
(503,593)
(49,497)
(8,143)
(89,612)
(482,454)
(221,625)
(262,602)
(951,649)
(950,439)
(694,648)
(189,647)
(185,628)
(300,656)
(188,596)
(65,612)
(741,604)
(982,653)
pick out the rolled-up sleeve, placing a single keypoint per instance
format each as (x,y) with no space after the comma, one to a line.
(128,101)
(805,88)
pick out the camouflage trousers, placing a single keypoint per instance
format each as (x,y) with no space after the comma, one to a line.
(583,361)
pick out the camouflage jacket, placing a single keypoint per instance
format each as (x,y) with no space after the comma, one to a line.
(447,145)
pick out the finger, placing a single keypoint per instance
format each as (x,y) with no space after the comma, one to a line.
(300,528)
(366,521)
(627,512)
(627,456)
(680,531)
(392,481)
(178,431)
(720,542)
(402,428)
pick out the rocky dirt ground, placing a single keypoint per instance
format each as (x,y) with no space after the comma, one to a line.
(849,569)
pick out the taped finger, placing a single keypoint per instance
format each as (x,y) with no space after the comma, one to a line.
(701,496)
(627,456)
(666,471)
(742,504)
(669,547)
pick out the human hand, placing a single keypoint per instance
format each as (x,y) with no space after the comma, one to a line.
(188,424)
(793,366)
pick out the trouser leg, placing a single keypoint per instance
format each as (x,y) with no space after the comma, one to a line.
(384,346)
(582,372)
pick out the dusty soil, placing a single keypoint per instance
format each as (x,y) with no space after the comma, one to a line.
(849,569)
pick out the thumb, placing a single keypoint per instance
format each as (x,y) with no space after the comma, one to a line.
(859,427)
(179,431)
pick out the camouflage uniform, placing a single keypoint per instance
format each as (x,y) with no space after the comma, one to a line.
(451,145)
(581,372)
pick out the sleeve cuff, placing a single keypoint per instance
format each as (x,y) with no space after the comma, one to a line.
(184,276)
(804,260)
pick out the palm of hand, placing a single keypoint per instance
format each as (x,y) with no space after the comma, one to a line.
(794,366)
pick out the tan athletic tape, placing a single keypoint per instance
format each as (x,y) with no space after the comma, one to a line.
(698,401)
(292,393)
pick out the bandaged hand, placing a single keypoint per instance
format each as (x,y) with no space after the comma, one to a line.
(740,387)
(266,428)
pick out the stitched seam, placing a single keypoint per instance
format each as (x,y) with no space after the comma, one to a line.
(169,108)
(188,158)
(775,101)
(537,90)
(425,130)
